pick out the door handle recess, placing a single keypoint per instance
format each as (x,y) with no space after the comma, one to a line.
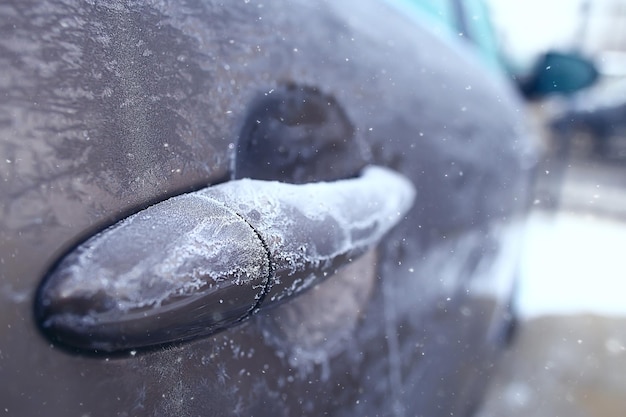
(197,263)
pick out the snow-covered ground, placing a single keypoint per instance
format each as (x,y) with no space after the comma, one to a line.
(568,356)
(573,263)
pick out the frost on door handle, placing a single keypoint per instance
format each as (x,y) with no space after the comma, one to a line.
(200,262)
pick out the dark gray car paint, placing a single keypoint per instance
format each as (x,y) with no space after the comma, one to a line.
(107,107)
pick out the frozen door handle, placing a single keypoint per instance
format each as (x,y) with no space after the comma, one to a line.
(200,262)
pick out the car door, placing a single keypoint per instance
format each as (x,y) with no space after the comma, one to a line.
(111,108)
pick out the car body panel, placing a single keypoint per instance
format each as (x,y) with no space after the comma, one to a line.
(109,107)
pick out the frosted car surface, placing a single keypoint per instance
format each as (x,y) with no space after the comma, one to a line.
(111,107)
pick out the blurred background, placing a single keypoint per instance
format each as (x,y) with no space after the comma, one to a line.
(568,356)
(568,59)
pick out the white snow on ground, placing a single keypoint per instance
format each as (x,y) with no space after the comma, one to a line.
(573,263)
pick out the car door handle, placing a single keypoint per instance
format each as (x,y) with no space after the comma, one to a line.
(197,263)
